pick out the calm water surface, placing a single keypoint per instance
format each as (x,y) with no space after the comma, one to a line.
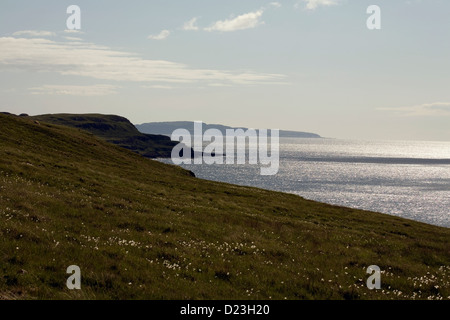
(410,179)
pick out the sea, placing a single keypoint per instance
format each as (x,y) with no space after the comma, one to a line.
(409,179)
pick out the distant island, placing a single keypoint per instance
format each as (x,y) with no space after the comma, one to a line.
(166,128)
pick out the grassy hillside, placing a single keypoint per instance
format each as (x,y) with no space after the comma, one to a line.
(138,228)
(116,130)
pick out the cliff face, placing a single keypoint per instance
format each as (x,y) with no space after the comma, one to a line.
(117,130)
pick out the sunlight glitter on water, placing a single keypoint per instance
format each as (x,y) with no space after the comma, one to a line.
(410,179)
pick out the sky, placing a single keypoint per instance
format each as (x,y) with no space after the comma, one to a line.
(306,65)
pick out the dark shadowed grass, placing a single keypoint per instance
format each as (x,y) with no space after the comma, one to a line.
(116,130)
(140,229)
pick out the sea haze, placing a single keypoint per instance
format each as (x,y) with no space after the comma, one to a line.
(410,179)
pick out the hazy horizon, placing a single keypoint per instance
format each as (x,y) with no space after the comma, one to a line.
(300,65)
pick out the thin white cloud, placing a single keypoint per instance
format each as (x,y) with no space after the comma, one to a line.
(73,31)
(275,4)
(94,90)
(158,87)
(314,4)
(245,21)
(160,36)
(100,62)
(437,109)
(191,25)
(218,85)
(73,38)
(34,33)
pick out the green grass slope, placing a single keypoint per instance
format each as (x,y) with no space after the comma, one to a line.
(116,130)
(139,229)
